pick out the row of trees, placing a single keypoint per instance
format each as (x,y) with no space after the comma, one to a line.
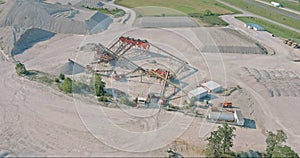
(221,140)
(96,85)
(67,85)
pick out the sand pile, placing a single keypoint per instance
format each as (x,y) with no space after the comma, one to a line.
(40,20)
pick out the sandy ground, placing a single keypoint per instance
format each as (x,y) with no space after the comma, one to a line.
(39,121)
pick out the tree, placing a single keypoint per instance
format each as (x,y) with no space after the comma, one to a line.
(66,86)
(274,145)
(284,151)
(213,148)
(20,69)
(274,140)
(226,133)
(220,141)
(97,85)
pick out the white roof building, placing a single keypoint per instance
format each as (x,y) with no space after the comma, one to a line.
(223,116)
(197,93)
(238,116)
(212,86)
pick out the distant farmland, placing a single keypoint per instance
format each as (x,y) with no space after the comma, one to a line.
(205,11)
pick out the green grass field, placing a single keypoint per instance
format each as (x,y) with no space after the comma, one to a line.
(265,13)
(287,4)
(181,7)
(185,6)
(273,28)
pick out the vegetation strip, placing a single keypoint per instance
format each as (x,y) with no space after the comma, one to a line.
(273,28)
(67,85)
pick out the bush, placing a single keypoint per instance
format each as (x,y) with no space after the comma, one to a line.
(61,76)
(20,69)
(103,99)
(66,86)
(97,85)
(56,80)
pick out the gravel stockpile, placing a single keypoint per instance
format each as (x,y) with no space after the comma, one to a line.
(29,38)
(40,20)
(98,23)
(90,3)
(71,68)
(232,49)
(165,22)
(225,40)
(275,83)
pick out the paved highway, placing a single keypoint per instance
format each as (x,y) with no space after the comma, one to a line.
(245,13)
(268,7)
(286,9)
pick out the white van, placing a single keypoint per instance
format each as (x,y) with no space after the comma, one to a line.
(141,101)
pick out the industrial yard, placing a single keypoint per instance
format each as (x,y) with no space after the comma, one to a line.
(180,82)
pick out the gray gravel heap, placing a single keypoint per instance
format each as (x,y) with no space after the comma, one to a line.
(25,22)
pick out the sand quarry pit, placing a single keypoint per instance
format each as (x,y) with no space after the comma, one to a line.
(37,120)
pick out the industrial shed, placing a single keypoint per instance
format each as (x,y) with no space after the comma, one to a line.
(255,27)
(221,115)
(212,86)
(239,118)
(197,93)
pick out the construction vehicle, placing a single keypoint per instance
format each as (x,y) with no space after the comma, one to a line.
(295,45)
(291,43)
(226,104)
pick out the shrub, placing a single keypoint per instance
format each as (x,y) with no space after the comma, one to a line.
(66,86)
(97,85)
(20,69)
(103,99)
(61,76)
